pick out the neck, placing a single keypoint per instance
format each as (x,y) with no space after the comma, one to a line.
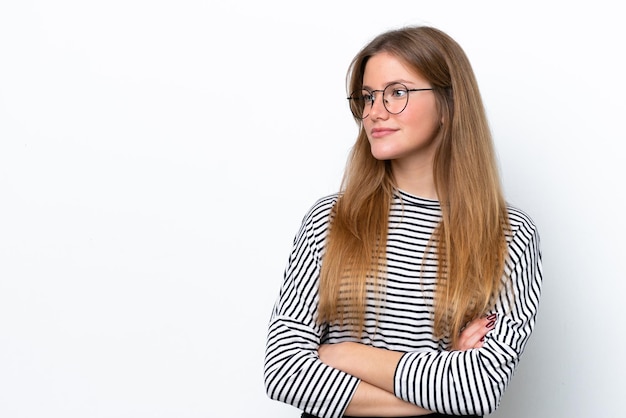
(417,181)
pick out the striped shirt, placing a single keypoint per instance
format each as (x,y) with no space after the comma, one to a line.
(467,382)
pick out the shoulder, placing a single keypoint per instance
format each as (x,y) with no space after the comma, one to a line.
(523,232)
(520,220)
(321,209)
(316,220)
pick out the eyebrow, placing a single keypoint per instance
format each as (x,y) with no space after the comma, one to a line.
(366,87)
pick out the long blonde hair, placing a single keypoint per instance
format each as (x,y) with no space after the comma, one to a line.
(470,239)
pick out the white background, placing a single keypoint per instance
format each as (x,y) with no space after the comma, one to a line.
(156,158)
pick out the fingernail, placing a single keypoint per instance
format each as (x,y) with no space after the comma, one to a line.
(492,317)
(491,324)
(482,340)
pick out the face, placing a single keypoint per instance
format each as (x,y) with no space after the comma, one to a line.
(410,137)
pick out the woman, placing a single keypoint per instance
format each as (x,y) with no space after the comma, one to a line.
(414,289)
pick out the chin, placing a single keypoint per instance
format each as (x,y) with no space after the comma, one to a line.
(382,154)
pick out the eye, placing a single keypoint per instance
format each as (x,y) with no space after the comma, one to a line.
(398,93)
(367,97)
(363,97)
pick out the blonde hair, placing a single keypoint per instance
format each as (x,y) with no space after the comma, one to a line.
(470,239)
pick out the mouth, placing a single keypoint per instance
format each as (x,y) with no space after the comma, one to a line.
(381,132)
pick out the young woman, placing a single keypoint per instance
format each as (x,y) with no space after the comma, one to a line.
(414,289)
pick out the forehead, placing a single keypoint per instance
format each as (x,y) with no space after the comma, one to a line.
(384,68)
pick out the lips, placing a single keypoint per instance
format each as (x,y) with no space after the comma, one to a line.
(381,132)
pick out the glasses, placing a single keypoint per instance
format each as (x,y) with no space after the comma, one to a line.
(395,99)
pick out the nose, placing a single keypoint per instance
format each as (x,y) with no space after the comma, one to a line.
(378,109)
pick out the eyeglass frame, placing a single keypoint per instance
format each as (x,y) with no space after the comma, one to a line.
(372,92)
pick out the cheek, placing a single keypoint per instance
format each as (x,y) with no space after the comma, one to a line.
(423,121)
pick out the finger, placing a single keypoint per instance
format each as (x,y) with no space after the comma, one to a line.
(490,324)
(473,334)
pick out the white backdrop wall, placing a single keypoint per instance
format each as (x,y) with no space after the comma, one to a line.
(156,158)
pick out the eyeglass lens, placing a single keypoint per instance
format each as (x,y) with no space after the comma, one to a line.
(395,98)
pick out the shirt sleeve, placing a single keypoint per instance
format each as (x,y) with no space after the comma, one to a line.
(472,382)
(293,372)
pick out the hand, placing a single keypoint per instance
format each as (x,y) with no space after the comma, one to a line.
(473,335)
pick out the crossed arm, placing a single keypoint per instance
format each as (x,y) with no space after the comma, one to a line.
(376,368)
